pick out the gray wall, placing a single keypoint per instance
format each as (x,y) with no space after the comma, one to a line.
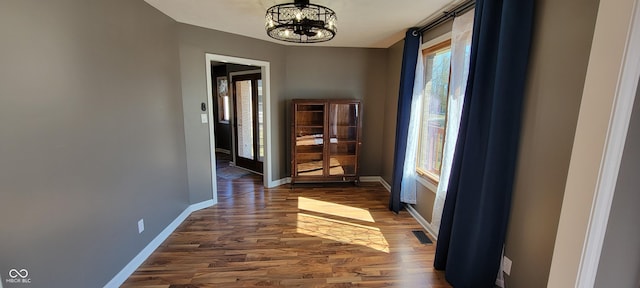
(92,137)
(296,72)
(620,259)
(194,43)
(394,65)
(425,198)
(557,69)
(345,73)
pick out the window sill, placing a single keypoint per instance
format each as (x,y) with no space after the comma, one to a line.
(435,179)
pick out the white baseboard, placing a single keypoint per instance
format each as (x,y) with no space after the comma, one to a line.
(376,179)
(423,222)
(385,184)
(279,182)
(200,206)
(124,274)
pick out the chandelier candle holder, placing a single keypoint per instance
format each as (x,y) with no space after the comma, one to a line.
(301,22)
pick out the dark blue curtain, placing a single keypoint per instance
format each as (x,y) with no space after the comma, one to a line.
(478,201)
(407,76)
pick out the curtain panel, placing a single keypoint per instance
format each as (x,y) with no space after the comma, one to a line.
(407,78)
(478,201)
(460,55)
(409,174)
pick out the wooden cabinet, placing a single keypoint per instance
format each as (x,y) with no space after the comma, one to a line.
(325,140)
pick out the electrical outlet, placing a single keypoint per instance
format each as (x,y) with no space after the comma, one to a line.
(140,226)
(203,118)
(506,265)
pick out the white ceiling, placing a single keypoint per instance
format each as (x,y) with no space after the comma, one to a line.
(361,23)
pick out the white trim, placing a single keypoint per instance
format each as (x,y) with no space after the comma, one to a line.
(282,181)
(131,267)
(423,222)
(266,80)
(220,150)
(385,184)
(212,135)
(200,206)
(378,179)
(434,41)
(614,148)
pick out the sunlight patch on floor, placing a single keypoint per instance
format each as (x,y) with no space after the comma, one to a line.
(342,231)
(334,209)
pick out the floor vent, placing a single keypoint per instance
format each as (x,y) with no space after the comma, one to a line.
(423,238)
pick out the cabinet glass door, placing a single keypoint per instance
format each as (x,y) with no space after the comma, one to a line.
(343,138)
(309,139)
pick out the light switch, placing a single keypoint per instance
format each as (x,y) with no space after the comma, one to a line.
(140,226)
(204,119)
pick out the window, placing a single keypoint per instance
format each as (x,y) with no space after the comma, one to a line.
(437,61)
(223,99)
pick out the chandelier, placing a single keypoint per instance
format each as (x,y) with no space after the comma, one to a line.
(301,22)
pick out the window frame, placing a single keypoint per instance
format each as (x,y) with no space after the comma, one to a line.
(221,95)
(434,46)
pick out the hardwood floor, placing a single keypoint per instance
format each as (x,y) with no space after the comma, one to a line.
(310,236)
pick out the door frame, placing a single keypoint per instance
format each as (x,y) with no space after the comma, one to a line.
(586,205)
(265,68)
(620,117)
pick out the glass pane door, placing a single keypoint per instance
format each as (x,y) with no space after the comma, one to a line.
(260,129)
(309,139)
(343,138)
(244,118)
(249,121)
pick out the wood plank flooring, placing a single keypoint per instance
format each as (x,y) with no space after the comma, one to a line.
(309,236)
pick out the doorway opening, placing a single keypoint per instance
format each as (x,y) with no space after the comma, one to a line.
(220,91)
